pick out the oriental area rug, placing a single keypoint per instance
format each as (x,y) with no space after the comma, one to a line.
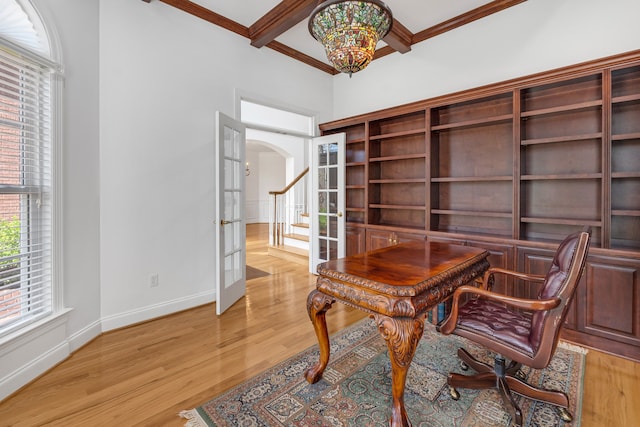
(355,389)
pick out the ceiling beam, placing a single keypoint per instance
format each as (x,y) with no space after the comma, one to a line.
(296,54)
(399,38)
(208,15)
(281,18)
(464,19)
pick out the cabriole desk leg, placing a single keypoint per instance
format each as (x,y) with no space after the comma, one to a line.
(317,306)
(402,335)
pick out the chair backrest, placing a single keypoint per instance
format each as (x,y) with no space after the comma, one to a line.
(560,282)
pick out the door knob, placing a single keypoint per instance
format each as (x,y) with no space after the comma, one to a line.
(224,222)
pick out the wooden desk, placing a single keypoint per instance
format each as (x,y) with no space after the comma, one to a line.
(397,286)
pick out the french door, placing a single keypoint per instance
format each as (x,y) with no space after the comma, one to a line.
(230,218)
(327,199)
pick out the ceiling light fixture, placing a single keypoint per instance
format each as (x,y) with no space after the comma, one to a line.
(350,30)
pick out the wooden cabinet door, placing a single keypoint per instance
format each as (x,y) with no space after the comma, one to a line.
(356,240)
(377,239)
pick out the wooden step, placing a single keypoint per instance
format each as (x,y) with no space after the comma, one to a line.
(300,237)
(290,253)
(300,224)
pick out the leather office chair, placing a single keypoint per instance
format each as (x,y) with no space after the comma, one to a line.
(525,331)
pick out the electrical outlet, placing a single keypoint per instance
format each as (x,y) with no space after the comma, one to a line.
(153,280)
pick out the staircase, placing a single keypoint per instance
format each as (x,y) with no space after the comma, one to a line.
(289,222)
(295,246)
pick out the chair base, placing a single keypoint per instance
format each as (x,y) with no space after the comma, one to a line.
(507,380)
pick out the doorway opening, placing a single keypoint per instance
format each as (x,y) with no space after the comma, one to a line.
(277,152)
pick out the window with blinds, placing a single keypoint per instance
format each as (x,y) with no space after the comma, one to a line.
(25,189)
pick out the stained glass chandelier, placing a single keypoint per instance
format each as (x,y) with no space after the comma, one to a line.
(350,30)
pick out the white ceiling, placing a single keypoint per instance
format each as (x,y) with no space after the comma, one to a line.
(416,15)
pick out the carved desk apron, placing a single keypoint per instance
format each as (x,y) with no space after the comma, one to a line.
(397,285)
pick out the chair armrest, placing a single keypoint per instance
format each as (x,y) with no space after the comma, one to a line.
(487,279)
(448,325)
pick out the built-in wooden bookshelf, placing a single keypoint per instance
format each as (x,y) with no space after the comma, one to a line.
(625,152)
(356,167)
(397,171)
(472,166)
(561,157)
(514,167)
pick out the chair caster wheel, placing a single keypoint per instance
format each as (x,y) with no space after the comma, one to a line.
(454,393)
(565,415)
(464,366)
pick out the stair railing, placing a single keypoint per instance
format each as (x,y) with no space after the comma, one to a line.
(286,207)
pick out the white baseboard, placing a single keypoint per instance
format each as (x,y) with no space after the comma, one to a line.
(33,352)
(157,310)
(85,335)
(33,370)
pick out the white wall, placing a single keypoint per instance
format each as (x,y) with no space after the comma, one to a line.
(534,36)
(251,194)
(76,24)
(164,73)
(272,178)
(268,173)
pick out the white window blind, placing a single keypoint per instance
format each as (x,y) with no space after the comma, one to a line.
(25,189)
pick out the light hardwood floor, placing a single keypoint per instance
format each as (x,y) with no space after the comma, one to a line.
(145,374)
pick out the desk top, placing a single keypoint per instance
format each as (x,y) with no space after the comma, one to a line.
(404,270)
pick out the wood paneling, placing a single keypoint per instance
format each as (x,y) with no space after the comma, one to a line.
(612,308)
(502,256)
